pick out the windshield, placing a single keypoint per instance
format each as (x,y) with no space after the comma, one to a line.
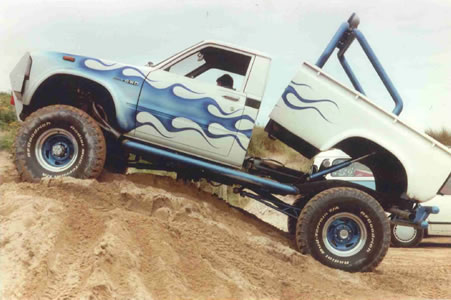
(177,54)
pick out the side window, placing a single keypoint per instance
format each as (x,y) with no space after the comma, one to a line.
(212,75)
(215,66)
(356,169)
(187,65)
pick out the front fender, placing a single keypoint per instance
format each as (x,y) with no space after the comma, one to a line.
(114,77)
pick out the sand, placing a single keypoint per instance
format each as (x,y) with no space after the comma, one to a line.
(143,236)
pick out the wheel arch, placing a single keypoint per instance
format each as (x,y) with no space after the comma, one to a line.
(389,172)
(72,89)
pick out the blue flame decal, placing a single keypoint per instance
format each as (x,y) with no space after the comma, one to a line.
(166,106)
(113,72)
(125,98)
(155,127)
(292,90)
(162,103)
(100,62)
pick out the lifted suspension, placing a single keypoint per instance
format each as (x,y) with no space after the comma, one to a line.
(272,202)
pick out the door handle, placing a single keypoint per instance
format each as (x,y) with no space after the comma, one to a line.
(231,98)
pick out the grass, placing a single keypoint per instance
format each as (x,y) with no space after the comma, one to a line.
(443,136)
(7,114)
(8,122)
(262,146)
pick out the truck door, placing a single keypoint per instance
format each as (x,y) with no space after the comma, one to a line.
(195,104)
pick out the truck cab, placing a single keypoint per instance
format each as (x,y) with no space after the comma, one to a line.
(178,103)
(184,106)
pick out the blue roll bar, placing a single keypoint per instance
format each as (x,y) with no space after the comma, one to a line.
(332,44)
(355,82)
(342,39)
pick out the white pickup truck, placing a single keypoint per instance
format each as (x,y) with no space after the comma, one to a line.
(194,113)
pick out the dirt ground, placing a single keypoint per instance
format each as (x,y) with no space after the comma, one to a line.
(147,237)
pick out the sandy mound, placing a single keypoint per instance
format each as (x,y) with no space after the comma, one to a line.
(149,237)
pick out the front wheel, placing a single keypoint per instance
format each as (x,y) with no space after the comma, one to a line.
(59,140)
(344,228)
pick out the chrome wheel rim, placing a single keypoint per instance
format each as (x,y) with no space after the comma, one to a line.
(344,234)
(56,150)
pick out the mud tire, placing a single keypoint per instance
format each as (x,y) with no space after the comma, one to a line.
(400,242)
(82,154)
(344,228)
(291,222)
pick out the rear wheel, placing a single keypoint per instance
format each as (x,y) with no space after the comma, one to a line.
(344,228)
(59,140)
(405,236)
(291,222)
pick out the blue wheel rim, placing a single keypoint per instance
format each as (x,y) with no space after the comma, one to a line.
(56,150)
(61,143)
(344,234)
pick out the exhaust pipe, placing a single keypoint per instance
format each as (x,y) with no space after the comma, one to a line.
(404,214)
(416,218)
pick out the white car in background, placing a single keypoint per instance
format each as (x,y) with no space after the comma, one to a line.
(401,236)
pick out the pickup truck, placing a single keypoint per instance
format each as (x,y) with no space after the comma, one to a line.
(401,236)
(194,114)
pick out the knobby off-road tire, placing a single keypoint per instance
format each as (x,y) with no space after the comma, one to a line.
(59,140)
(292,222)
(405,237)
(344,228)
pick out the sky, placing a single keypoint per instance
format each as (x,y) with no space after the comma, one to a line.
(412,39)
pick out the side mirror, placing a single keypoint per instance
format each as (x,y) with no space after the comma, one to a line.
(149,64)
